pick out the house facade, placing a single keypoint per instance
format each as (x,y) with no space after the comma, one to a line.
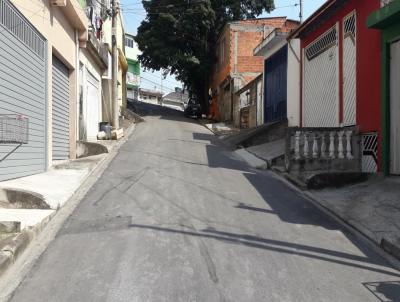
(38,87)
(122,66)
(93,63)
(387,20)
(236,64)
(281,78)
(340,86)
(133,74)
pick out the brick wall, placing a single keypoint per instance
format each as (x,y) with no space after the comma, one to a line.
(250,34)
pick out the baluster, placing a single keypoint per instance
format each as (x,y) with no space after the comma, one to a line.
(323,146)
(349,152)
(340,145)
(332,145)
(315,146)
(297,145)
(306,146)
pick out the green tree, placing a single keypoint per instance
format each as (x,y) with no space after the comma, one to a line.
(179,36)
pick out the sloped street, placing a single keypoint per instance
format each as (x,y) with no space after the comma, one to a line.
(177,217)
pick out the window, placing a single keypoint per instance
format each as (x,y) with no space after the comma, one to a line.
(129,42)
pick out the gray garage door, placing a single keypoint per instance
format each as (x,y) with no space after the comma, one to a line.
(22,92)
(60,110)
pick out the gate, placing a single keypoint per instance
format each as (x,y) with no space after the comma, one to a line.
(22,93)
(275,91)
(60,110)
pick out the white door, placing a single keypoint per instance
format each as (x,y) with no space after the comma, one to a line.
(349,70)
(395,108)
(93,102)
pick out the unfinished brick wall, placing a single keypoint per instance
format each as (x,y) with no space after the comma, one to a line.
(240,61)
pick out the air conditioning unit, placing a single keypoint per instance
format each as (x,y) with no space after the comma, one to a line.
(58,2)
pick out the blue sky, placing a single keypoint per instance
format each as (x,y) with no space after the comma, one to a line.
(134,14)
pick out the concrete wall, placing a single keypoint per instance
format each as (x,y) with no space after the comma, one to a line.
(58,28)
(293,83)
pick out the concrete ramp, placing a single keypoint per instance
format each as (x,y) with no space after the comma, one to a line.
(269,152)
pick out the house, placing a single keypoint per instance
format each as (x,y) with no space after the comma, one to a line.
(236,64)
(122,66)
(93,63)
(246,104)
(133,74)
(177,99)
(340,90)
(387,20)
(281,81)
(38,92)
(150,96)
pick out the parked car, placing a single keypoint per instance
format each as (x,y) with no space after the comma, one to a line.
(193,109)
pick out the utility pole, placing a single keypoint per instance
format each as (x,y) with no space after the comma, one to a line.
(301,11)
(114,66)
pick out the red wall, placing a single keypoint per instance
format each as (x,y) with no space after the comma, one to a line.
(368,62)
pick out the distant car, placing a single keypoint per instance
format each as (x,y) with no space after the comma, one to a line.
(193,109)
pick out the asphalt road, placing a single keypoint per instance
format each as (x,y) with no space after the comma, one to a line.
(176,217)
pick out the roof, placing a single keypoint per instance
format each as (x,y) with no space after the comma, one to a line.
(177,96)
(152,92)
(273,39)
(324,12)
(385,17)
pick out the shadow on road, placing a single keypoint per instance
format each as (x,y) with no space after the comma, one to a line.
(316,253)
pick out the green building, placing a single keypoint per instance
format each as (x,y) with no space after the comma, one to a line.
(133,73)
(387,19)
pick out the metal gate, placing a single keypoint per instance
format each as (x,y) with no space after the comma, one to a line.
(349,70)
(320,82)
(60,110)
(275,91)
(22,91)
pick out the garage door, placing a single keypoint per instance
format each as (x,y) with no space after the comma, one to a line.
(22,92)
(60,110)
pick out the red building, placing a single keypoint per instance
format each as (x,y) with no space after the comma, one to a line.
(340,78)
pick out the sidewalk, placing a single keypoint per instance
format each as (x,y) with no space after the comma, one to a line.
(54,187)
(373,208)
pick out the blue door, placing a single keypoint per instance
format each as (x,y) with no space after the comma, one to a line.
(275,94)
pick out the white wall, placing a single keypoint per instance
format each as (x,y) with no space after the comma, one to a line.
(293,83)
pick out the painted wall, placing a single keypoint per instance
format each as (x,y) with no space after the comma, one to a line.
(368,58)
(59,32)
(293,83)
(368,71)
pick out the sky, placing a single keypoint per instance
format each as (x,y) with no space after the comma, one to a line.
(134,13)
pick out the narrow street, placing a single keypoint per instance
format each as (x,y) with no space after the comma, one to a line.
(176,217)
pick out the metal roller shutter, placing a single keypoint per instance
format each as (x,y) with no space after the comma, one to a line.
(22,92)
(93,106)
(60,110)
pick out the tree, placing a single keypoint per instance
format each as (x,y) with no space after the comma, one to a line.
(179,36)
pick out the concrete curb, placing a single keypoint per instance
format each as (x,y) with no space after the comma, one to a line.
(13,251)
(351,228)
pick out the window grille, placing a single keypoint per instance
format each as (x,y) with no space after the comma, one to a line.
(350,26)
(14,129)
(323,43)
(13,21)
